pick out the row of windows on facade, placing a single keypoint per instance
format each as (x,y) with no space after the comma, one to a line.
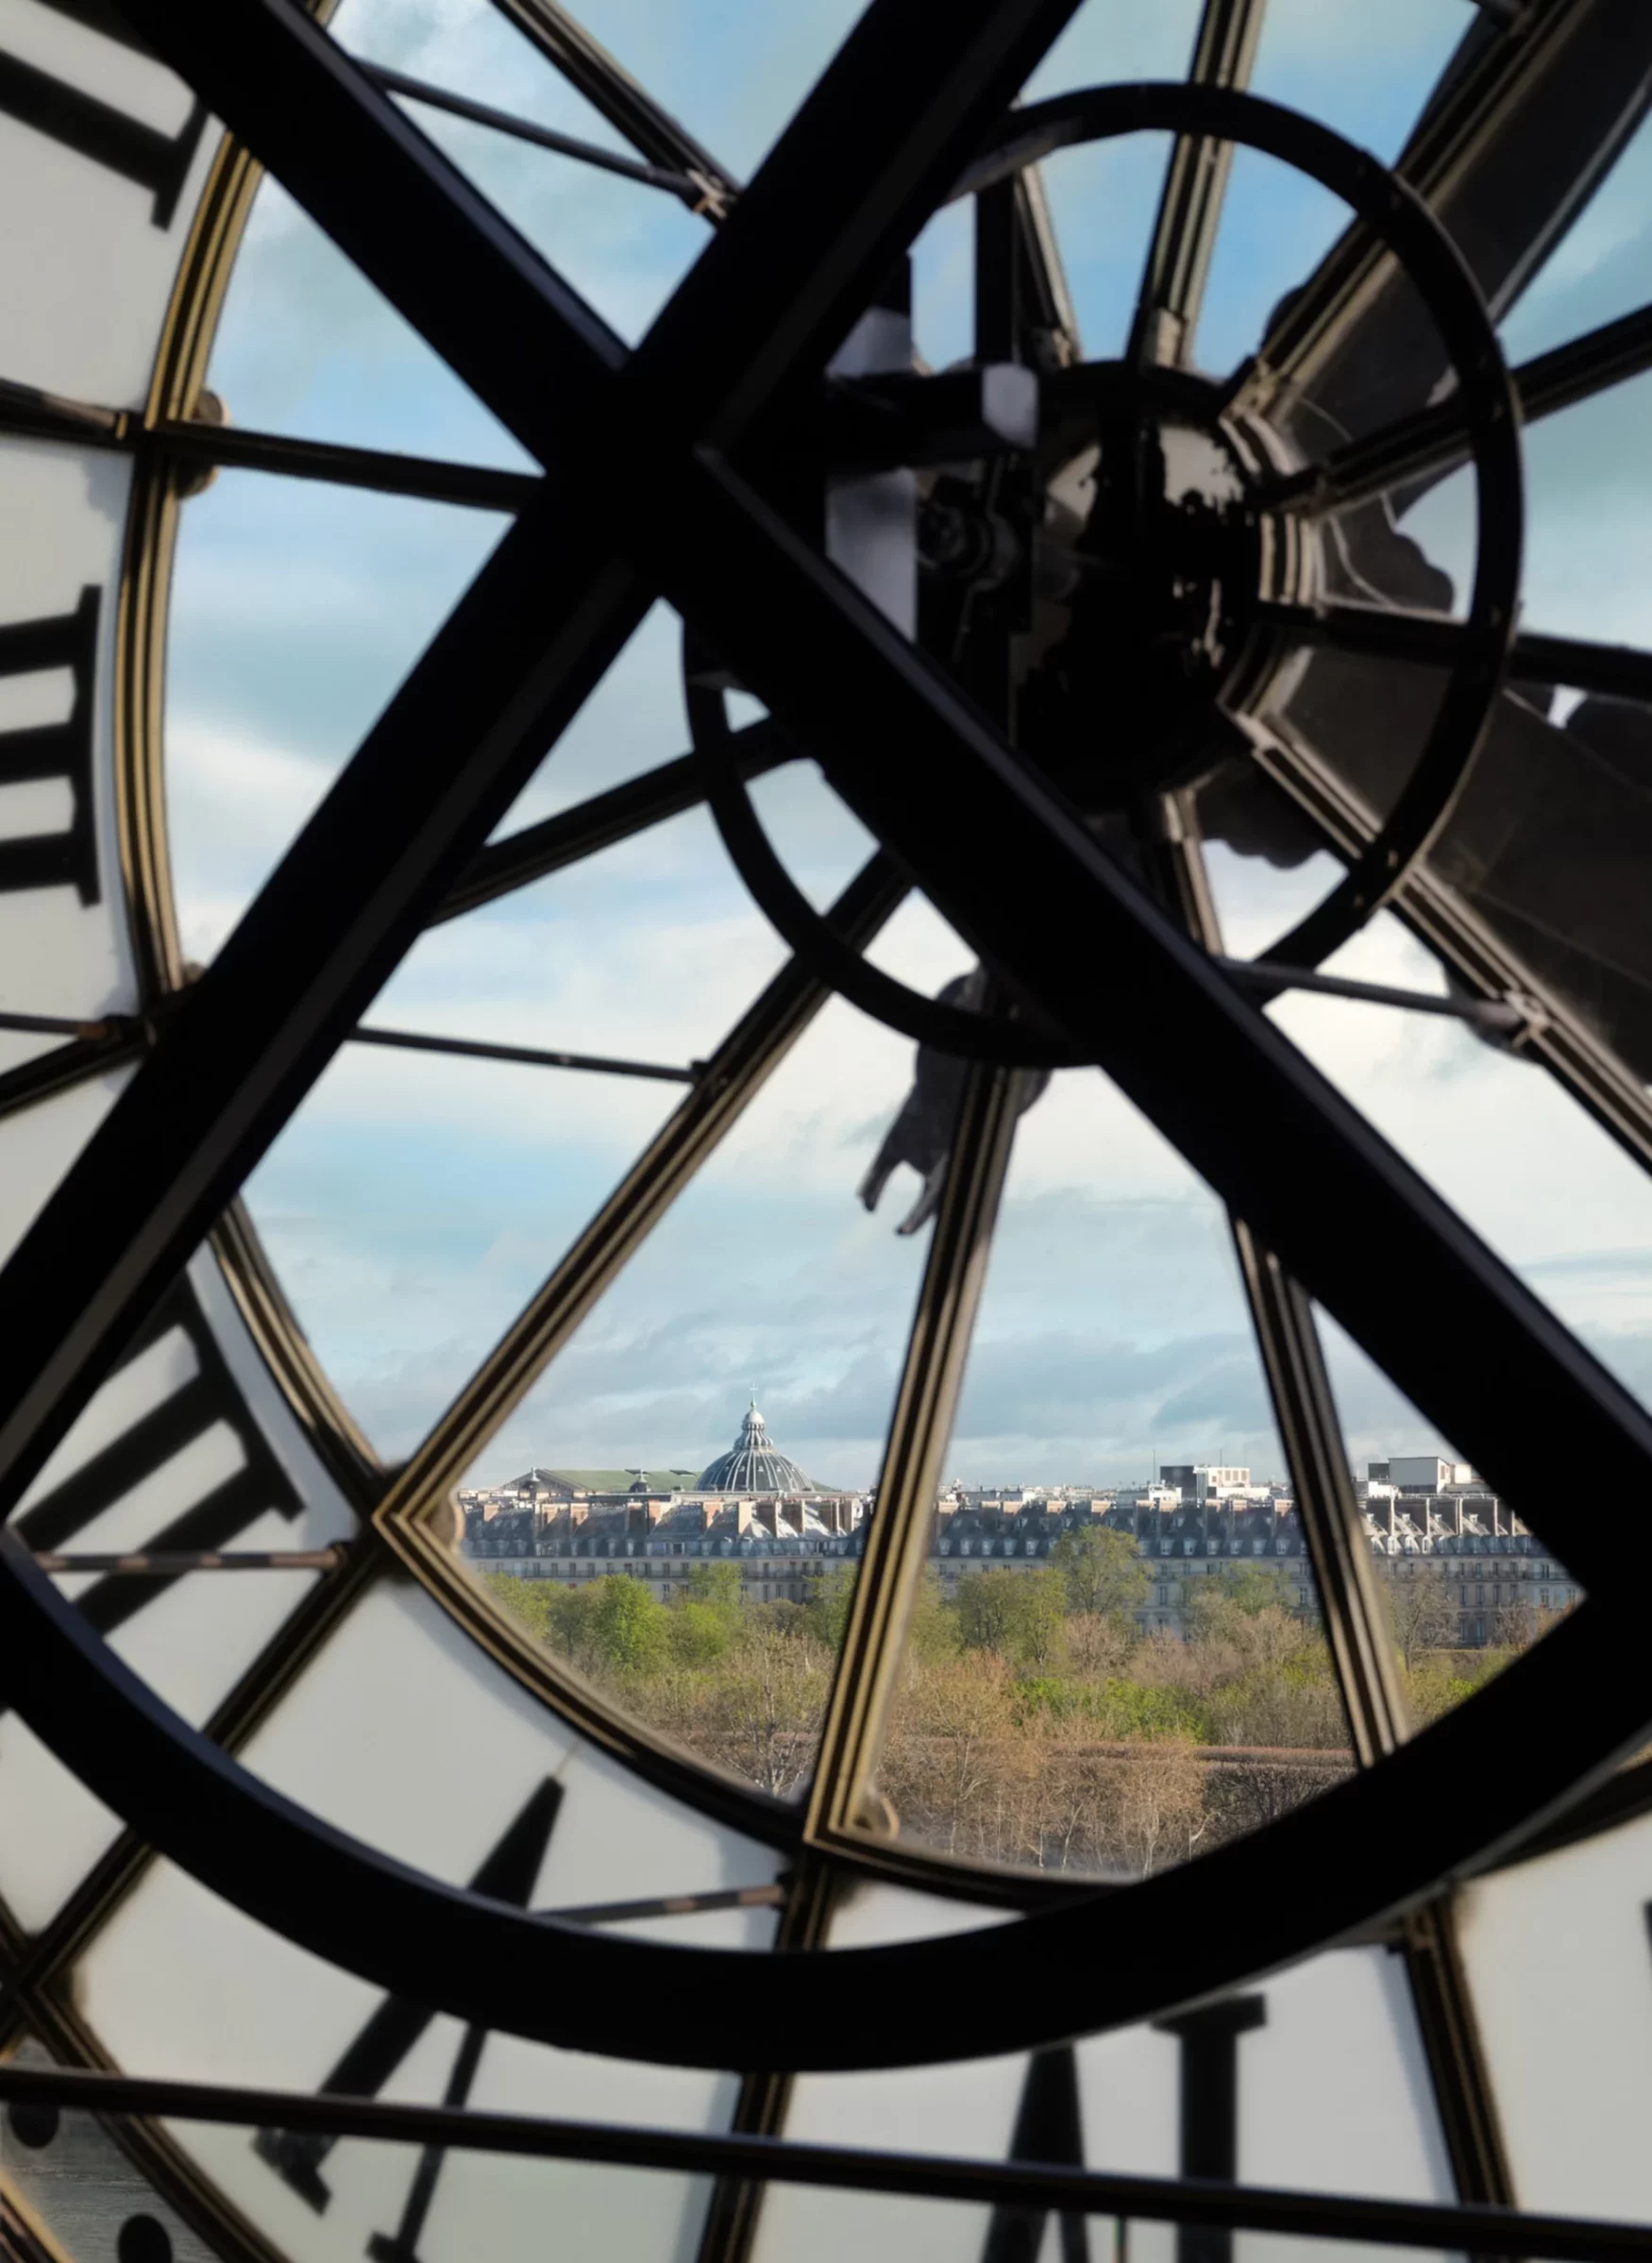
(1452,1526)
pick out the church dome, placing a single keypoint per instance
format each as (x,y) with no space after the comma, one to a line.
(753,1465)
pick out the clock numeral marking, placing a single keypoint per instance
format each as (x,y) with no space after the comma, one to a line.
(109,137)
(1209,2041)
(209,1397)
(1048,2129)
(508,1874)
(65,640)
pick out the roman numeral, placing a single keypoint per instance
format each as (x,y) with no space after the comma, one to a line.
(157,161)
(1209,2041)
(508,1874)
(210,1396)
(65,640)
(1048,2130)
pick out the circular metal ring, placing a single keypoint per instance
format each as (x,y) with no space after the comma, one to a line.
(1489,406)
(1377,1842)
(948,1028)
(1448,290)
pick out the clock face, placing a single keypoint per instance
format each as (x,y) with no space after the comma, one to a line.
(621,1344)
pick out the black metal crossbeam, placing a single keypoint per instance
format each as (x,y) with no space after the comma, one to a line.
(1190,2200)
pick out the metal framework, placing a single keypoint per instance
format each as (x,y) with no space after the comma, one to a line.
(681,433)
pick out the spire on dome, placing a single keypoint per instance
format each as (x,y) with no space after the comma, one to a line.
(754,1464)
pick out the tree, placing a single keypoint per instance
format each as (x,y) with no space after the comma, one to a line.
(1102,1572)
(699,1633)
(828,1607)
(1422,1613)
(704,1623)
(628,1625)
(1017,1615)
(717,1585)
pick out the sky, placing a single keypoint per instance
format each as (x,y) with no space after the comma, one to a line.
(412,1205)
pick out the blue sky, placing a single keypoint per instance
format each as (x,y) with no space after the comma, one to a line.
(412,1205)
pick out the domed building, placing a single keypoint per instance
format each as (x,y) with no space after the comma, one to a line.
(753,1465)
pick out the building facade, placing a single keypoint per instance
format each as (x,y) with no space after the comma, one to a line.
(1463,1570)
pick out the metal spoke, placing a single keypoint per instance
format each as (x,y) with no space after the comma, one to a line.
(187,441)
(1614,671)
(66,1066)
(692,192)
(953,1277)
(1462,939)
(171,1564)
(1502,1015)
(629,108)
(1189,212)
(37,416)
(673,1905)
(61,1025)
(730,2227)
(536,851)
(1436,640)
(531,1056)
(1433,440)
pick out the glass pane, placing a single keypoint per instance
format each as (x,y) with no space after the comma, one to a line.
(297,609)
(1115,1663)
(1588,573)
(404,1734)
(415,1202)
(1366,76)
(64,950)
(67,215)
(71,2186)
(1557,1952)
(1557,1198)
(1314,2080)
(734,76)
(354,2197)
(307,346)
(1102,199)
(709,1601)
(633,720)
(1602,267)
(623,244)
(187,1446)
(1466,1584)
(968,2109)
